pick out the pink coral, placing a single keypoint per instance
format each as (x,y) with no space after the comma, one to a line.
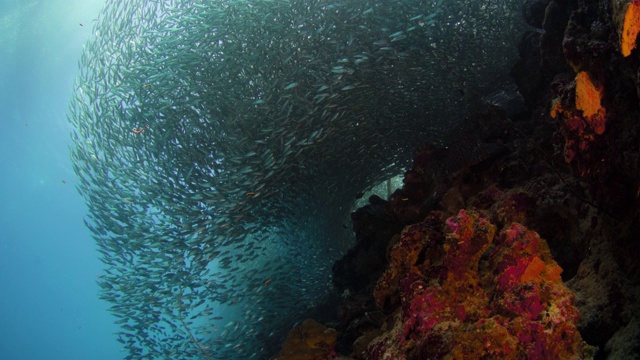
(508,302)
(469,237)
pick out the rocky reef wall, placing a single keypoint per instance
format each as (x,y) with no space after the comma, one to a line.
(519,239)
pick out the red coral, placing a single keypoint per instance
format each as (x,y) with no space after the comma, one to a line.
(509,303)
(425,239)
(582,119)
(423,312)
(469,238)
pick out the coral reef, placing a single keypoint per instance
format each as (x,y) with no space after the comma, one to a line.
(604,79)
(564,168)
(582,121)
(460,301)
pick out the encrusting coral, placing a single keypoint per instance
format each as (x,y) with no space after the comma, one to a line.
(588,100)
(467,293)
(630,27)
(582,119)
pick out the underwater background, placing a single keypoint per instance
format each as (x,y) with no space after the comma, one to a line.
(220,146)
(315,179)
(48,265)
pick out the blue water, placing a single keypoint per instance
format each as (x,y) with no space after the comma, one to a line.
(48,262)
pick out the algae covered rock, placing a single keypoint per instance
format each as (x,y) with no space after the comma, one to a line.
(309,341)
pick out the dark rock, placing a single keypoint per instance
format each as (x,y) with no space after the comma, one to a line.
(366,261)
(527,72)
(533,12)
(586,43)
(588,211)
(551,41)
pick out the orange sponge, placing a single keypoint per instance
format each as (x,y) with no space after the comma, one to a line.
(630,28)
(588,98)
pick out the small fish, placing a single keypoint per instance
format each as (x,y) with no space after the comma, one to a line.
(252,124)
(291,86)
(359,61)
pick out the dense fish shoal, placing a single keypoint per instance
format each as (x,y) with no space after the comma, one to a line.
(219,146)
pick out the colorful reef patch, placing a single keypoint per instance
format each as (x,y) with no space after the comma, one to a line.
(467,292)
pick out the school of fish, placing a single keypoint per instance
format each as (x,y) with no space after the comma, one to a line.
(219,145)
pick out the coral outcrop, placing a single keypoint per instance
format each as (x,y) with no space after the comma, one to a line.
(581,121)
(467,293)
